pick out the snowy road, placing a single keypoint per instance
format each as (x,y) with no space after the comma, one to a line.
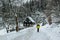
(47,32)
(31,34)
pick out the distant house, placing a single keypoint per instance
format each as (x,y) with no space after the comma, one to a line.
(28,21)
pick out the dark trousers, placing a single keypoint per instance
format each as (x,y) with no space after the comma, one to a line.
(37,29)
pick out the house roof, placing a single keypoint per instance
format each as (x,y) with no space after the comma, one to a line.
(31,19)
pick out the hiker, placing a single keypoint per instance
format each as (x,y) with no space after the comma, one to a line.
(38,26)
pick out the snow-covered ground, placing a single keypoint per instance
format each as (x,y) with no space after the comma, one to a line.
(3,32)
(53,31)
(47,32)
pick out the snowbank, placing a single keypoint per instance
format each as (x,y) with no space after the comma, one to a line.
(3,32)
(53,31)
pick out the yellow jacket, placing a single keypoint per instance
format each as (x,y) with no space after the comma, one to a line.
(38,26)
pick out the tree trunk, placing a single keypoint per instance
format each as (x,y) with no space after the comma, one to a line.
(49,20)
(17,25)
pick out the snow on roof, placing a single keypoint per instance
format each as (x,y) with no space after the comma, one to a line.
(31,19)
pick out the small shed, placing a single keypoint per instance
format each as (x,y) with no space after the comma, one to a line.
(28,21)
